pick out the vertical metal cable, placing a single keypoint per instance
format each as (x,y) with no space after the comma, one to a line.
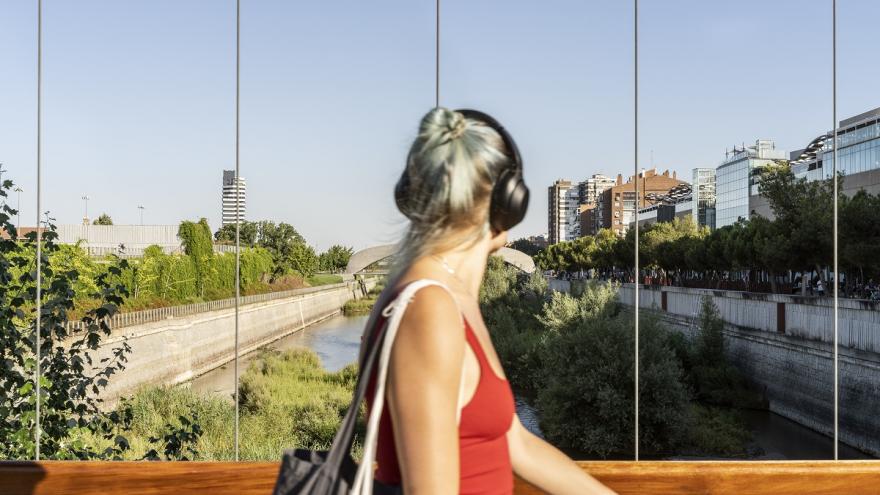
(437,55)
(38,343)
(636,186)
(237,210)
(834,229)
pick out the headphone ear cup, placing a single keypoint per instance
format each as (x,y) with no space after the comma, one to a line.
(510,200)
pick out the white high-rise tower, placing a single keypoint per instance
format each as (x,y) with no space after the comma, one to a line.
(229,197)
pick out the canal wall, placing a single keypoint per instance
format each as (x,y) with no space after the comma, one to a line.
(178,348)
(784,346)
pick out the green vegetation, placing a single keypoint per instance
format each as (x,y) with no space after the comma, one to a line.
(335,259)
(104,219)
(287,401)
(364,305)
(71,379)
(525,246)
(572,357)
(324,279)
(278,259)
(755,254)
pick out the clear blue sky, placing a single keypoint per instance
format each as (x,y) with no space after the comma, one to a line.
(138,96)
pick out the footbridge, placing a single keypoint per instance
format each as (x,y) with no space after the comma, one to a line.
(362,259)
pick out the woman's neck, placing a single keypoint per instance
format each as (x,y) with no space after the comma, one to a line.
(467,266)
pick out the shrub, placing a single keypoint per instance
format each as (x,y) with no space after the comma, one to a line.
(587,400)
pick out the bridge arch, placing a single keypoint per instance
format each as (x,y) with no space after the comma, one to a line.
(366,257)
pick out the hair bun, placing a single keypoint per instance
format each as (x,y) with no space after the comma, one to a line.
(457,125)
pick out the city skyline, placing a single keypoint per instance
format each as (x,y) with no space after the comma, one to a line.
(138,100)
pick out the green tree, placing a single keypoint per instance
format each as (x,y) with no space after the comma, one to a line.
(70,379)
(526,246)
(714,379)
(335,259)
(604,255)
(104,219)
(859,236)
(72,420)
(197,244)
(803,211)
(586,399)
(247,234)
(288,249)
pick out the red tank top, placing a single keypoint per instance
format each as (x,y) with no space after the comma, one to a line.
(483,453)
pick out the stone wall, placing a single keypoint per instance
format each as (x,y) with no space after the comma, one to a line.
(783,345)
(177,349)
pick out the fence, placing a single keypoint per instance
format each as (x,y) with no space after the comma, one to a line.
(150,315)
(809,317)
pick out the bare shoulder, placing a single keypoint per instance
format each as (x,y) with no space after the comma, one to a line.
(432,325)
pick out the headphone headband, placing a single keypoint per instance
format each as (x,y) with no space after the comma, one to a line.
(506,138)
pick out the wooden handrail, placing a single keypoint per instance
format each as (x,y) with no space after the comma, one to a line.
(643,478)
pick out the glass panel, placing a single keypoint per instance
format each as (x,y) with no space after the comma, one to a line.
(737,361)
(18,214)
(138,127)
(565,93)
(858,156)
(330,98)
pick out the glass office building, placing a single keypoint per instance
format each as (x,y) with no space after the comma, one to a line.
(703,197)
(734,179)
(858,149)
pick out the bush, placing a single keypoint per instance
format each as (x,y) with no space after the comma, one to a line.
(587,401)
(714,379)
(572,357)
(72,422)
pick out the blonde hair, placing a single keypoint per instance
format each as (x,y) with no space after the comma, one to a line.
(450,170)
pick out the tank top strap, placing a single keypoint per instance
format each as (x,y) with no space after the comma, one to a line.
(477,347)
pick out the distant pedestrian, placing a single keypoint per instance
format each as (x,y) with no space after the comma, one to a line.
(820,288)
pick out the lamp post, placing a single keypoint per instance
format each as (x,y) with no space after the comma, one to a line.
(141,207)
(18,209)
(86,216)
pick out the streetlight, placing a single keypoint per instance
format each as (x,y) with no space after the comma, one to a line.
(18,208)
(141,207)
(86,216)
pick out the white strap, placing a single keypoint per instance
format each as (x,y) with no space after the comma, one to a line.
(363,484)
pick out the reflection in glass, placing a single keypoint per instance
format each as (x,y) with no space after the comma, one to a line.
(858,234)
(737,262)
(573,376)
(18,213)
(135,300)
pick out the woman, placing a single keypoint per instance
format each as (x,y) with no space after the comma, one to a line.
(449,424)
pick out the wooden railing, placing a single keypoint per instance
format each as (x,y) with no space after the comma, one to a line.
(245,478)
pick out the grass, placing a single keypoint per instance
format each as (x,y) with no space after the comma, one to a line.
(359,306)
(287,401)
(324,279)
(364,305)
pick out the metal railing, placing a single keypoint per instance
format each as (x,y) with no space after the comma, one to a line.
(158,314)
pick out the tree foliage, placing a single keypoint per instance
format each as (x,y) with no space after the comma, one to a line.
(798,239)
(571,356)
(71,378)
(247,233)
(335,259)
(104,219)
(526,246)
(289,250)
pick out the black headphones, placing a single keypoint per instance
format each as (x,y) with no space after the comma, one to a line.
(510,195)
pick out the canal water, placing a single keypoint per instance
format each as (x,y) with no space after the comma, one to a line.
(337,340)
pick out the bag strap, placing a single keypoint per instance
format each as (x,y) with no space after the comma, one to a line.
(344,437)
(363,484)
